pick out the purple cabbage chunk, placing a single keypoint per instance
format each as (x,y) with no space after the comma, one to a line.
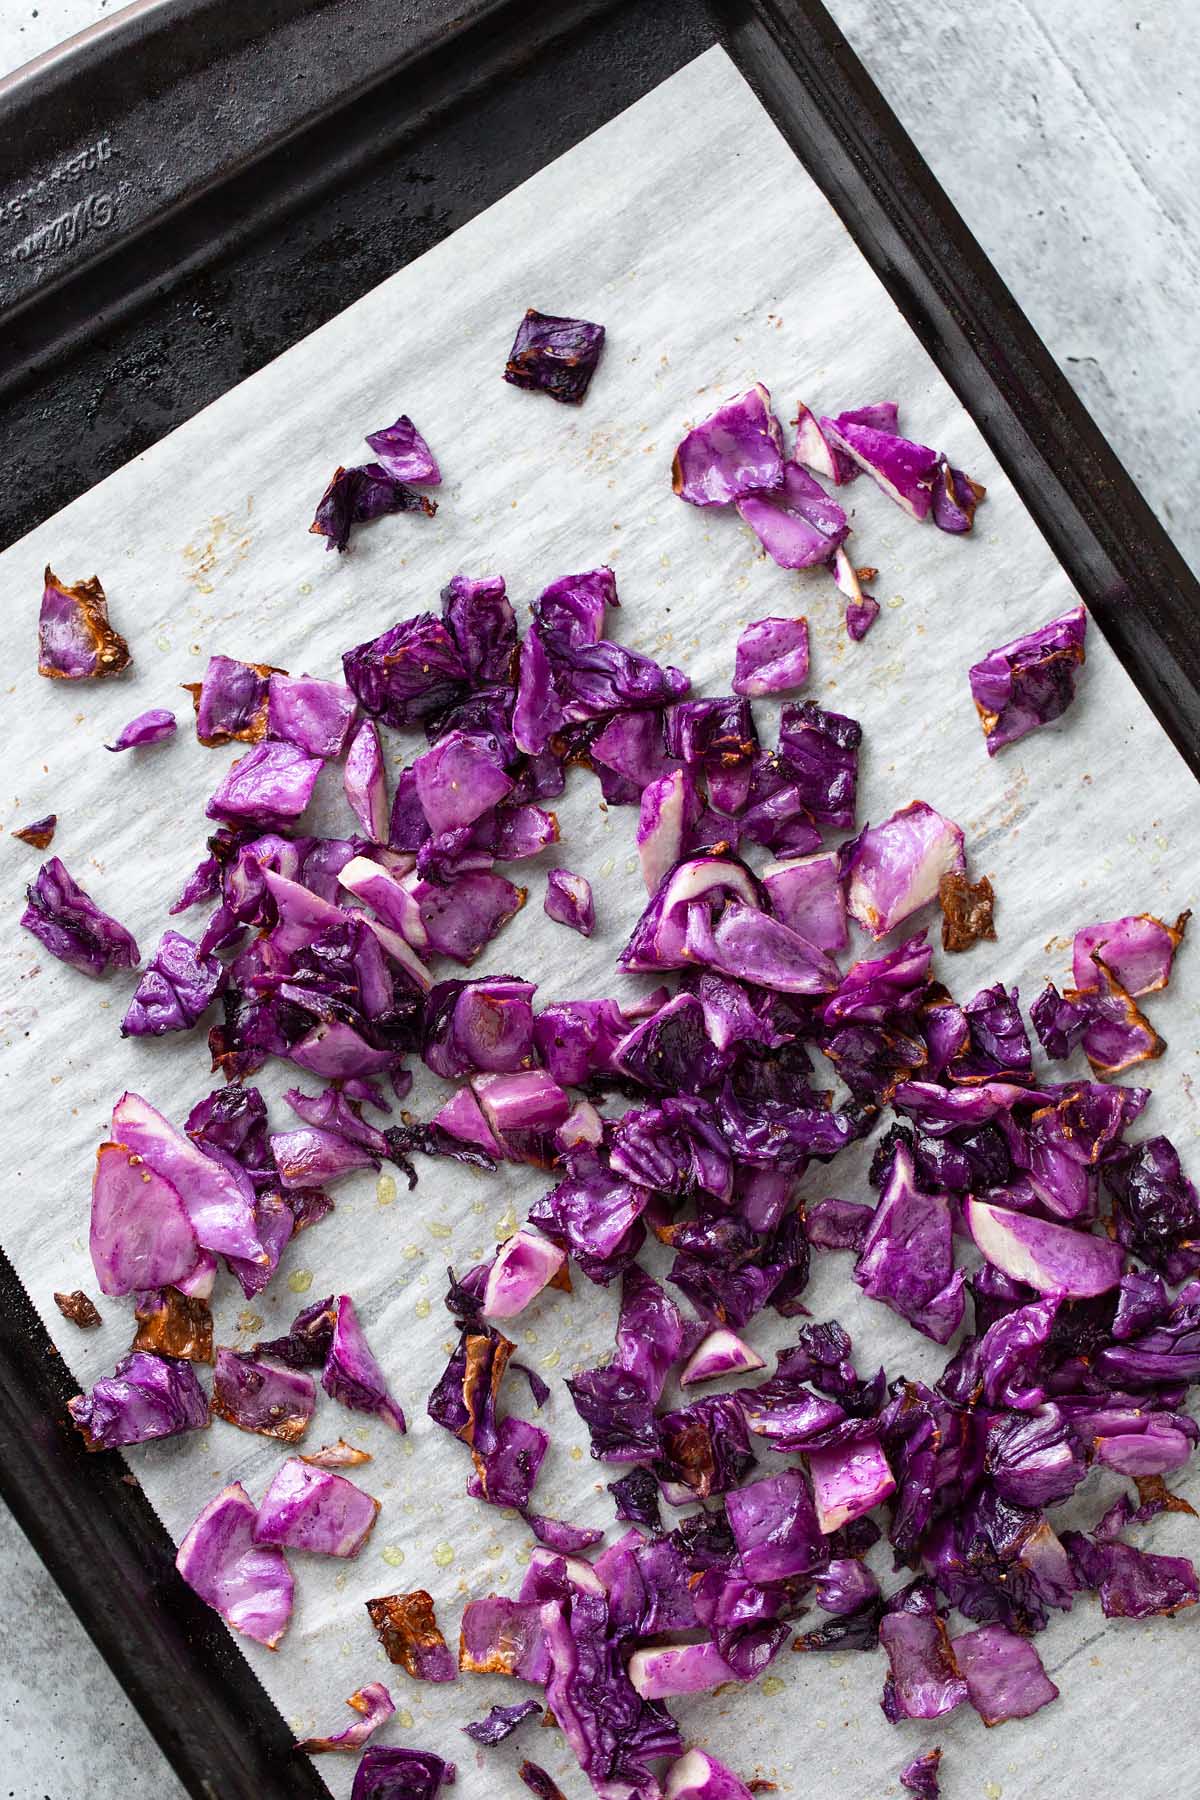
(315,716)
(231,702)
(555,356)
(141,1236)
(307,1508)
(403,453)
(351,1374)
(735,453)
(248,1583)
(1029,682)
(145,1397)
(67,922)
(1004,1674)
(255,1396)
(797,524)
(148,728)
(174,989)
(569,901)
(388,1773)
(75,640)
(357,495)
(894,869)
(771,657)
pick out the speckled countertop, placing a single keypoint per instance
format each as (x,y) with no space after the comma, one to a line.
(1064,136)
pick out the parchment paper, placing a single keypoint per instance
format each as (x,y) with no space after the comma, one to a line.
(689,230)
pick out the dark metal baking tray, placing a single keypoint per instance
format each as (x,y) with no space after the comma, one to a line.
(193,187)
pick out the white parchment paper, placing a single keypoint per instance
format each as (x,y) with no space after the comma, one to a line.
(687,227)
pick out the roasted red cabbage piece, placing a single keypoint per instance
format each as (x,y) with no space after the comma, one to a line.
(501,1722)
(357,495)
(270,786)
(351,1374)
(79,1309)
(907,1258)
(315,716)
(482,623)
(904,470)
(1155,1207)
(255,1396)
(955,497)
(538,1782)
(75,640)
(306,1344)
(860,616)
(40,833)
(67,922)
(1138,952)
(373,1704)
(920,1777)
(796,523)
(407,672)
(407,1627)
(232,701)
(505,1474)
(309,1508)
(614,1732)
(569,901)
(699,1776)
(386,1773)
(966,910)
(924,1681)
(1004,1674)
(404,454)
(1117,1035)
(248,1583)
(1029,682)
(145,1397)
(174,989)
(555,356)
(171,1323)
(894,869)
(820,752)
(1132,1583)
(148,728)
(736,452)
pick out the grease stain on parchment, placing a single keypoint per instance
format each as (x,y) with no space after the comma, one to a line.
(218,547)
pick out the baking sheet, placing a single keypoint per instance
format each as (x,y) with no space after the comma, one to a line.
(687,228)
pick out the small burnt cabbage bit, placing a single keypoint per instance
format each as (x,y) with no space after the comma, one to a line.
(539,1783)
(555,356)
(373,1704)
(357,495)
(1029,682)
(40,833)
(966,910)
(78,1308)
(75,640)
(174,1324)
(67,922)
(407,1627)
